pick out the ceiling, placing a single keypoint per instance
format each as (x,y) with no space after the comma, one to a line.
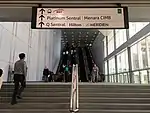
(79,36)
(23,14)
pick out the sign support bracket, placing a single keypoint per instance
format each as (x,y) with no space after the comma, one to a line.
(40,5)
(119,5)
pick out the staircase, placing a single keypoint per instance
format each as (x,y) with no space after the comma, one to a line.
(94,98)
(37,98)
(111,98)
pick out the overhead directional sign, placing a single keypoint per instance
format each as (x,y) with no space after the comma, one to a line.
(101,18)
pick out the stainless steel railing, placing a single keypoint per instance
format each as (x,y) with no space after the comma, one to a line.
(74,98)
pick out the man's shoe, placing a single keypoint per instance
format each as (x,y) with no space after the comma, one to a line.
(19,97)
(13,102)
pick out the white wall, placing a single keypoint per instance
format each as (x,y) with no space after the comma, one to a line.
(39,46)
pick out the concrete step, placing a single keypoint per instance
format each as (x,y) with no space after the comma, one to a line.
(115,90)
(90,106)
(67,111)
(41,85)
(38,99)
(83,85)
(122,86)
(67,94)
(38,94)
(115,95)
(40,90)
(81,100)
(85,90)
(35,106)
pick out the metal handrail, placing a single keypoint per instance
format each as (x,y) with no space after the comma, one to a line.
(144,69)
(74,98)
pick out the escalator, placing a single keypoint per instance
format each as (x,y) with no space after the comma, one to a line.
(83,76)
(63,61)
(89,59)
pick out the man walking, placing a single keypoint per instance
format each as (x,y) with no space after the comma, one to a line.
(95,72)
(20,73)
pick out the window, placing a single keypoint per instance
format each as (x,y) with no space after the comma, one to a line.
(120,37)
(143,54)
(105,68)
(135,27)
(122,62)
(110,42)
(134,57)
(105,48)
(139,55)
(148,49)
(112,66)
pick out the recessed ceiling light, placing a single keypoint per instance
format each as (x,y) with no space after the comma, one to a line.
(64,32)
(87,32)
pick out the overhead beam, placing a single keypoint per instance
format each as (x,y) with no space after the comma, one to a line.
(78,3)
(75,1)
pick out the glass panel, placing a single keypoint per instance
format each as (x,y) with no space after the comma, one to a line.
(110,42)
(105,48)
(144,77)
(120,37)
(148,49)
(134,57)
(125,78)
(135,27)
(120,77)
(136,77)
(115,78)
(112,66)
(105,68)
(122,62)
(143,62)
(110,78)
(106,78)
(148,76)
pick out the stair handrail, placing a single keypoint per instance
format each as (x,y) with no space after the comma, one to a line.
(74,98)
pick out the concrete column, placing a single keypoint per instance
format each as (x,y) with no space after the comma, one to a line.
(116,67)
(107,60)
(130,65)
(108,71)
